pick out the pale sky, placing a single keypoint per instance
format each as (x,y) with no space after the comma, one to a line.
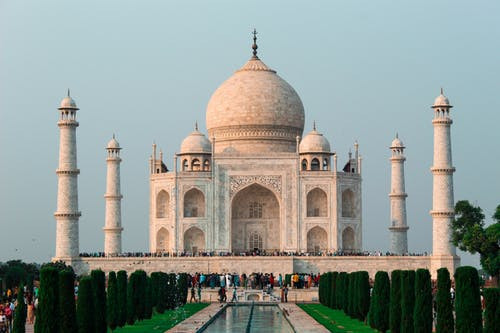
(145,70)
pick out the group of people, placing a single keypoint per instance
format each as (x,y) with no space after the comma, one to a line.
(9,303)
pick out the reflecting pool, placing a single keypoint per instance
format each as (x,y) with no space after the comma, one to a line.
(263,318)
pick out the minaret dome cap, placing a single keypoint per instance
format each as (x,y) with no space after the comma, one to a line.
(68,103)
(113,144)
(441,101)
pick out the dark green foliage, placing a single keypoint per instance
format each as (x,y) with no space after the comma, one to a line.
(171,291)
(112,301)
(395,302)
(121,298)
(85,306)
(363,294)
(131,301)
(162,292)
(351,299)
(422,312)
(380,301)
(155,284)
(407,300)
(444,306)
(321,289)
(139,294)
(327,289)
(346,293)
(333,291)
(148,311)
(16,272)
(491,314)
(99,293)
(20,313)
(467,301)
(67,306)
(339,294)
(47,320)
(183,289)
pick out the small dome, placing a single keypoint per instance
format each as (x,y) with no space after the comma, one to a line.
(196,142)
(314,142)
(441,100)
(68,103)
(397,143)
(113,144)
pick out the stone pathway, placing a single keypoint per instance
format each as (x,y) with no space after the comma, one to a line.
(300,320)
(29,328)
(196,321)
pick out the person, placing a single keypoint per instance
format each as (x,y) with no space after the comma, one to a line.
(282,294)
(3,322)
(199,292)
(31,313)
(285,293)
(235,295)
(192,295)
(280,280)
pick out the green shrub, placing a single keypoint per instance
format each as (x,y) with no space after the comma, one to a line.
(85,306)
(121,283)
(321,288)
(47,318)
(183,289)
(67,306)
(112,301)
(148,311)
(131,302)
(20,312)
(380,301)
(162,292)
(422,313)
(444,306)
(333,290)
(99,291)
(467,301)
(339,293)
(363,294)
(395,302)
(351,297)
(407,300)
(491,313)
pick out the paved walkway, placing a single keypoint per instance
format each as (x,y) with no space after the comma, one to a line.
(29,328)
(196,321)
(300,320)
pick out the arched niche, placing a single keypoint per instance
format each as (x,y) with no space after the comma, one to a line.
(348,239)
(348,206)
(194,203)
(162,240)
(194,240)
(162,204)
(317,240)
(317,203)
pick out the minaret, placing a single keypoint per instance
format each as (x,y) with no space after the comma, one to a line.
(443,205)
(398,228)
(67,213)
(113,221)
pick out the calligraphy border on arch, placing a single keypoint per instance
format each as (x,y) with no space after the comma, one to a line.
(237,182)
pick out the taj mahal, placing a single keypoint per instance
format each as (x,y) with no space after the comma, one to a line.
(256,183)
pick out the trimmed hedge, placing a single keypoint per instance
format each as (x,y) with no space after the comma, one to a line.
(422,313)
(99,293)
(121,283)
(467,301)
(492,311)
(67,306)
(444,306)
(380,302)
(333,290)
(112,302)
(363,294)
(407,300)
(20,312)
(85,306)
(48,302)
(395,302)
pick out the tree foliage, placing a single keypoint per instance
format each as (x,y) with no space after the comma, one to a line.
(379,305)
(395,302)
(492,311)
(85,306)
(121,283)
(47,320)
(467,301)
(161,306)
(444,306)
(20,313)
(67,307)
(148,305)
(99,293)
(339,294)
(407,300)
(363,294)
(333,290)
(470,234)
(112,302)
(422,313)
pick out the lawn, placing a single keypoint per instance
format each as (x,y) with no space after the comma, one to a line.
(163,322)
(335,320)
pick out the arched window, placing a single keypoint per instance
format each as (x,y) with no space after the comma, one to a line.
(194,203)
(315,166)
(206,165)
(325,164)
(348,239)
(255,241)
(162,203)
(195,165)
(194,240)
(162,243)
(317,240)
(255,210)
(348,204)
(317,203)
(185,165)
(304,164)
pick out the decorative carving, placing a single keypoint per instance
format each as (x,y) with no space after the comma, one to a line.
(323,187)
(186,188)
(237,182)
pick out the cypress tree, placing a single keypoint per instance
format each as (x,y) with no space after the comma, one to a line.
(112,302)
(139,294)
(155,278)
(395,302)
(67,306)
(171,291)
(162,292)
(422,312)
(327,297)
(380,302)
(85,306)
(20,313)
(346,293)
(99,293)
(351,298)
(339,291)
(491,313)
(407,300)
(148,312)
(363,293)
(131,311)
(467,301)
(321,289)
(444,306)
(333,290)
(183,288)
(48,301)
(122,298)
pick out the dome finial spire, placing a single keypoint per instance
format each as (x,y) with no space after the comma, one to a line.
(397,135)
(314,125)
(68,93)
(442,92)
(254,46)
(196,125)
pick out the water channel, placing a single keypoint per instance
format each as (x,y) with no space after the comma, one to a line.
(250,318)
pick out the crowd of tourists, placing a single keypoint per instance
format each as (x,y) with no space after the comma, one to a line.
(263,253)
(9,303)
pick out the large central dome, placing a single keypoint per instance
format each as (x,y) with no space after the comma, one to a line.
(255,111)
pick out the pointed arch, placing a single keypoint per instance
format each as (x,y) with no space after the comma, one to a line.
(317,203)
(348,206)
(317,240)
(348,239)
(194,240)
(194,203)
(206,165)
(162,204)
(185,165)
(195,165)
(315,165)
(162,240)
(304,164)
